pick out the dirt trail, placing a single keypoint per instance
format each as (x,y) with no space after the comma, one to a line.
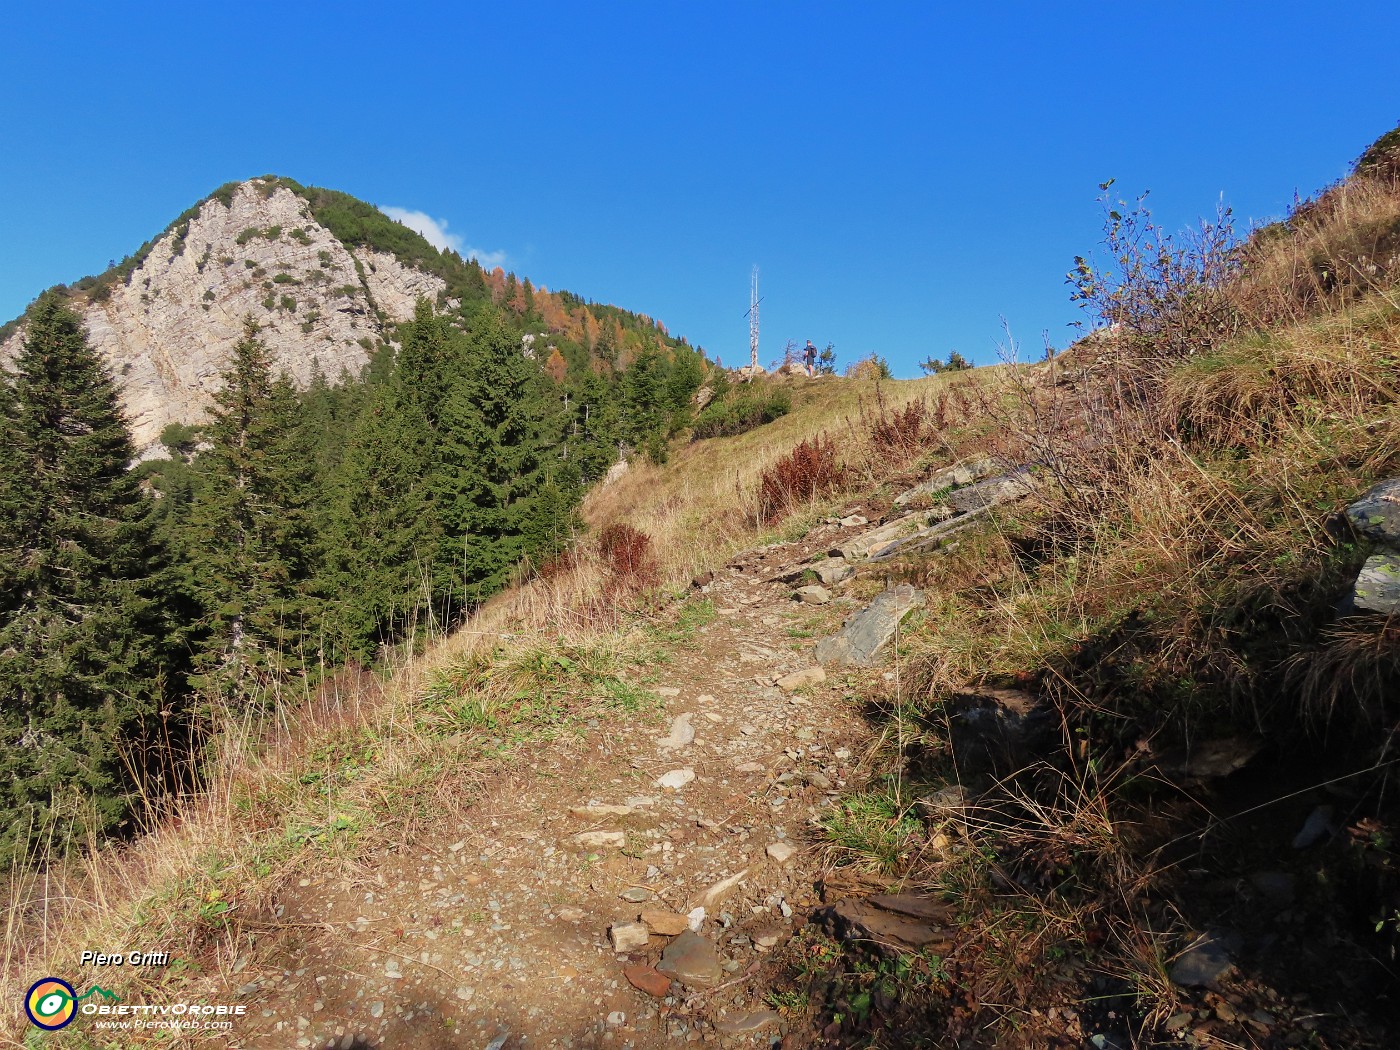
(500,927)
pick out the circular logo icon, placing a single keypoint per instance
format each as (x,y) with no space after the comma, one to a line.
(50,1003)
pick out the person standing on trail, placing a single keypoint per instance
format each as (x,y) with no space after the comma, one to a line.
(809,359)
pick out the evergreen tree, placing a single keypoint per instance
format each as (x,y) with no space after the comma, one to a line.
(251,545)
(382,531)
(491,469)
(84,657)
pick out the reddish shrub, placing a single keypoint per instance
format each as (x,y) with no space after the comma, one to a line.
(896,435)
(808,471)
(627,557)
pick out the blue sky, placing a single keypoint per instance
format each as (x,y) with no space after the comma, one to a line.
(905,175)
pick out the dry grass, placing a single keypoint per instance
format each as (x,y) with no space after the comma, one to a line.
(702,506)
(1177,582)
(303,785)
(1333,250)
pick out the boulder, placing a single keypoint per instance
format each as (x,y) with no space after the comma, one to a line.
(964,473)
(1378,586)
(692,960)
(867,632)
(812,594)
(1376,515)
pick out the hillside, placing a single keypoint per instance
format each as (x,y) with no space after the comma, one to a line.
(327,277)
(325,472)
(1049,705)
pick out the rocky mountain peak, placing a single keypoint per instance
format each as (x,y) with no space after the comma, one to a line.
(252,249)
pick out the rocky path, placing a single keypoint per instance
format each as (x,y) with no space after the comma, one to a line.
(626,889)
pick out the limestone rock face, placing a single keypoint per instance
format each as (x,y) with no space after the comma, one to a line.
(166,334)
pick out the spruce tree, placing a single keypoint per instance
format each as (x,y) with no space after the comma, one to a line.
(84,660)
(381,530)
(250,540)
(490,469)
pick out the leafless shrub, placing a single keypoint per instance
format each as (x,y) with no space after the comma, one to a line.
(810,470)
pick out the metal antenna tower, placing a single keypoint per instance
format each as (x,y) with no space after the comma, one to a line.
(753,324)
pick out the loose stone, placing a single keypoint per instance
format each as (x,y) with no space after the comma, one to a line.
(782,852)
(628,936)
(676,779)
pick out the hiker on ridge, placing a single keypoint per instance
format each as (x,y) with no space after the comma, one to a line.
(809,359)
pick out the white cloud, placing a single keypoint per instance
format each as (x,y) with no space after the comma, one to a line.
(434,231)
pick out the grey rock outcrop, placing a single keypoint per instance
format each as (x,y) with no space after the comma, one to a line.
(1378,586)
(166,334)
(1376,517)
(858,644)
(992,491)
(950,477)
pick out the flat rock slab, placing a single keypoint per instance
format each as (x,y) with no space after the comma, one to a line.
(676,779)
(868,631)
(1202,965)
(915,906)
(867,541)
(864,920)
(628,936)
(929,539)
(647,979)
(960,474)
(801,679)
(692,960)
(666,923)
(828,572)
(749,1022)
(1376,515)
(1378,586)
(600,811)
(781,852)
(832,570)
(601,839)
(721,889)
(682,733)
(993,491)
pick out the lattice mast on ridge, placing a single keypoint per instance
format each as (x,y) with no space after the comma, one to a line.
(753,323)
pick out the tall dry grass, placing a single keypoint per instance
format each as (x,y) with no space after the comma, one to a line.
(276,802)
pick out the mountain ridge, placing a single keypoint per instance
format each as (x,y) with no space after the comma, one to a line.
(326,276)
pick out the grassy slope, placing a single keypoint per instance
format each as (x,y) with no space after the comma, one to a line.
(373,760)
(700,505)
(1179,588)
